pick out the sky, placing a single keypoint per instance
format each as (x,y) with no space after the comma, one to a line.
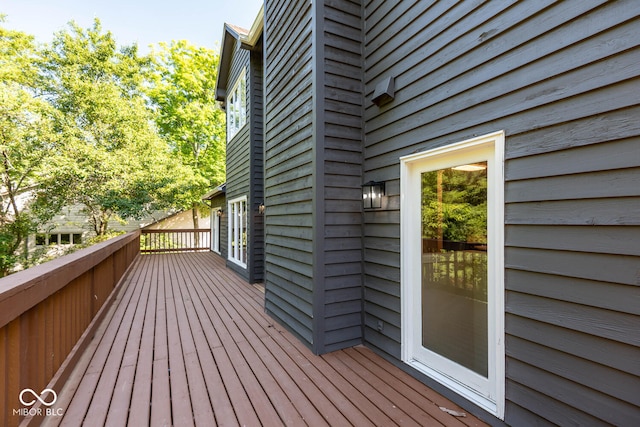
(143,21)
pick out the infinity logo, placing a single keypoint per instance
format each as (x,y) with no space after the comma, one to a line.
(39,398)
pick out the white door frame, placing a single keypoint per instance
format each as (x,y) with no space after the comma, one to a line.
(215,230)
(486,393)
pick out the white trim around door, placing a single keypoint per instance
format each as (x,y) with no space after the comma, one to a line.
(452,275)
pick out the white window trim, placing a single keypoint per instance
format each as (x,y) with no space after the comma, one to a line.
(232,232)
(235,108)
(493,397)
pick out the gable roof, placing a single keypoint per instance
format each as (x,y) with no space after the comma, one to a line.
(231,35)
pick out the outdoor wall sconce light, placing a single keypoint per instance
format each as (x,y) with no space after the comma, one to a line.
(219,212)
(261,209)
(372,193)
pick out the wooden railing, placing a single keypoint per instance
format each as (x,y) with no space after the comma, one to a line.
(175,240)
(47,317)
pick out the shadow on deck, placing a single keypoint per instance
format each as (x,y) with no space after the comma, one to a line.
(187,342)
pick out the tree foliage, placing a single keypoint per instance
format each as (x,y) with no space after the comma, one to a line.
(83,121)
(27,141)
(113,161)
(454,205)
(182,93)
(454,220)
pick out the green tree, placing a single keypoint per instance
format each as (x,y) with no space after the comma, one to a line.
(454,205)
(27,143)
(182,94)
(113,161)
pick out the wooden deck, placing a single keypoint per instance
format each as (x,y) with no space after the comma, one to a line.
(187,342)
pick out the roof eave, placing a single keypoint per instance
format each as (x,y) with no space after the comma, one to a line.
(221,189)
(251,40)
(230,35)
(229,38)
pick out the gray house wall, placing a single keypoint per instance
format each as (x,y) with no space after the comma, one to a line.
(256,129)
(238,157)
(338,157)
(245,163)
(313,169)
(289,163)
(562,80)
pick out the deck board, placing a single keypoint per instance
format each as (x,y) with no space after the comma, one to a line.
(187,342)
(141,393)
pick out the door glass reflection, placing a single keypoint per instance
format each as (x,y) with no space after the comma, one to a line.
(454,264)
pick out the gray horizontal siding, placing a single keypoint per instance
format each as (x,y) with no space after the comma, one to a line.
(238,148)
(572,264)
(238,163)
(245,162)
(603,239)
(239,157)
(288,166)
(564,394)
(338,184)
(256,196)
(561,78)
(313,157)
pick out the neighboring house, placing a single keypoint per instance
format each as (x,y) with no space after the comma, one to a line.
(71,226)
(495,255)
(179,221)
(239,88)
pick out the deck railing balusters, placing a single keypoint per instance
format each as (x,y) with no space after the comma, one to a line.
(175,240)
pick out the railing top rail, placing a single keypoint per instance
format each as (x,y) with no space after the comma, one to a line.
(48,278)
(176,230)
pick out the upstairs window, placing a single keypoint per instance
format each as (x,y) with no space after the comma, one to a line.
(237,106)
